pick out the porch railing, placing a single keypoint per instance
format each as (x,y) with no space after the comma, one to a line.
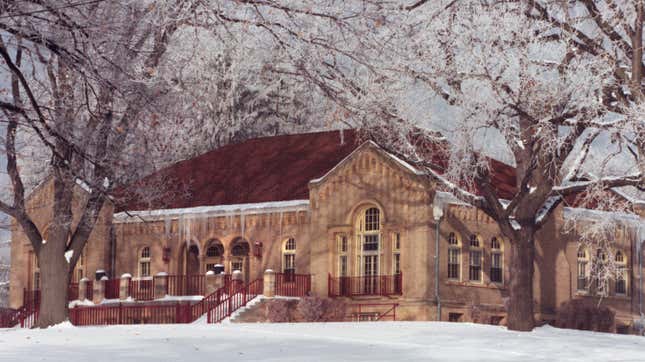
(130,314)
(142,289)
(292,285)
(235,300)
(183,285)
(383,285)
(112,288)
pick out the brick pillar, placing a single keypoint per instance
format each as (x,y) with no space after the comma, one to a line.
(124,286)
(161,285)
(82,288)
(269,283)
(212,282)
(237,280)
(99,290)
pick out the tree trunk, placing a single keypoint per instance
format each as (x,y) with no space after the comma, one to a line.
(54,276)
(520,308)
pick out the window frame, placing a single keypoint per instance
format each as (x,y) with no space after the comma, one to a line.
(289,248)
(475,247)
(582,259)
(496,250)
(145,262)
(369,227)
(454,247)
(621,266)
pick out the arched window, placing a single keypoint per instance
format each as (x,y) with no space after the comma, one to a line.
(475,262)
(621,274)
(454,256)
(496,261)
(368,232)
(599,273)
(289,256)
(214,254)
(583,261)
(239,253)
(144,262)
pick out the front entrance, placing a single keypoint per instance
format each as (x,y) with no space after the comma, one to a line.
(189,265)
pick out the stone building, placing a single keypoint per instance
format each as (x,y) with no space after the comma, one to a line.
(331,206)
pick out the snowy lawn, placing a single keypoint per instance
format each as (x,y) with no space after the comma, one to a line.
(379,341)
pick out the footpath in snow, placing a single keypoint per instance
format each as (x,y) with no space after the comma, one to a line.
(378,341)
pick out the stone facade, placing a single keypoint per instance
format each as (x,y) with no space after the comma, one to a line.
(329,229)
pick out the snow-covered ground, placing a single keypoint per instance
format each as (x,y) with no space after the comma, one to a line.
(377,341)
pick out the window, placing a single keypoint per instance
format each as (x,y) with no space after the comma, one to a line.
(583,261)
(343,247)
(369,234)
(79,268)
(289,256)
(497,261)
(454,256)
(214,254)
(396,253)
(621,274)
(213,251)
(372,219)
(475,262)
(454,317)
(239,252)
(144,262)
(599,271)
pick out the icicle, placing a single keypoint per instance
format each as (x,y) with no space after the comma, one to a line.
(242,224)
(280,225)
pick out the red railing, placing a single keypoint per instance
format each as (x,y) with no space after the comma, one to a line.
(130,314)
(142,289)
(9,317)
(234,301)
(292,285)
(112,288)
(372,312)
(384,285)
(181,285)
(26,316)
(72,292)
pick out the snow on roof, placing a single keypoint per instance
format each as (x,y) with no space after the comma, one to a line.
(571,212)
(397,160)
(220,210)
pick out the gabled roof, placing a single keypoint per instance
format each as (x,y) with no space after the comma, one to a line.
(261,170)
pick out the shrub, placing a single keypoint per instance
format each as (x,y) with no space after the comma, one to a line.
(316,309)
(278,310)
(586,315)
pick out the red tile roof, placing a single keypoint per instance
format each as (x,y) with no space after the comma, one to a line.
(265,169)
(277,168)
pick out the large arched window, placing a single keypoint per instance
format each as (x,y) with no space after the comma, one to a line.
(454,256)
(144,262)
(369,236)
(496,261)
(621,274)
(475,260)
(214,254)
(289,256)
(582,273)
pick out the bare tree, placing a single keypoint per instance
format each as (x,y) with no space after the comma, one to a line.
(527,81)
(88,80)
